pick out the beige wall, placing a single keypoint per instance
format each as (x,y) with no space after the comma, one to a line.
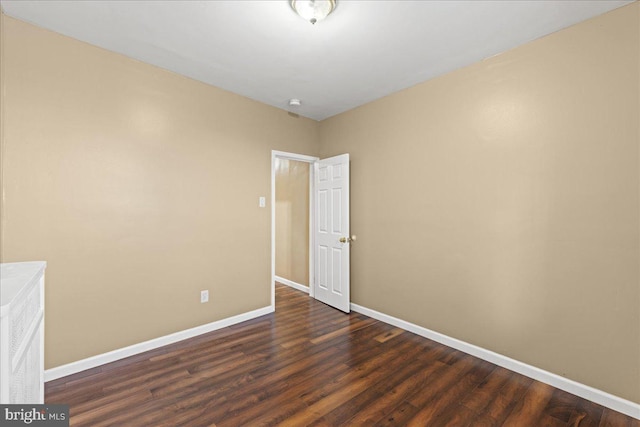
(139,187)
(498,204)
(292,220)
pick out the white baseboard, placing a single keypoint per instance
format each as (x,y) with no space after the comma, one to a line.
(598,396)
(112,356)
(294,285)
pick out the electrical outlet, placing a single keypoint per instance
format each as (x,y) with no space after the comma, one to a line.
(204,296)
(262,202)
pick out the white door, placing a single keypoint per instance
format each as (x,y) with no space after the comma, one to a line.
(332,240)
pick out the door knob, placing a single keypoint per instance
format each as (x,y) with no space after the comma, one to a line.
(348,239)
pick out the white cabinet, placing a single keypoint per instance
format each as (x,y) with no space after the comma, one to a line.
(22,332)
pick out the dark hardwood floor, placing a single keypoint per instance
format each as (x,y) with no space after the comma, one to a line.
(310,365)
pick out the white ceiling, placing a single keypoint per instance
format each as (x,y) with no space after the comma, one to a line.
(263,50)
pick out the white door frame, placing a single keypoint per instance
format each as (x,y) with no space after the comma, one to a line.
(300,158)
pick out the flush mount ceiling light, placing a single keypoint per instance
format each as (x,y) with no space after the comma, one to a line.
(313,10)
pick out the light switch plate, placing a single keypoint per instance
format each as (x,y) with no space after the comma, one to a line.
(262,202)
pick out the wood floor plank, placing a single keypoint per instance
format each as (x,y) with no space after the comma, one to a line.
(422,398)
(388,335)
(388,392)
(612,418)
(308,364)
(378,410)
(530,408)
(509,395)
(482,395)
(561,406)
(352,384)
(398,416)
(364,369)
(458,385)
(342,332)
(342,413)
(455,415)
(549,421)
(585,414)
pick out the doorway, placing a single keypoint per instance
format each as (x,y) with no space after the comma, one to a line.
(291,220)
